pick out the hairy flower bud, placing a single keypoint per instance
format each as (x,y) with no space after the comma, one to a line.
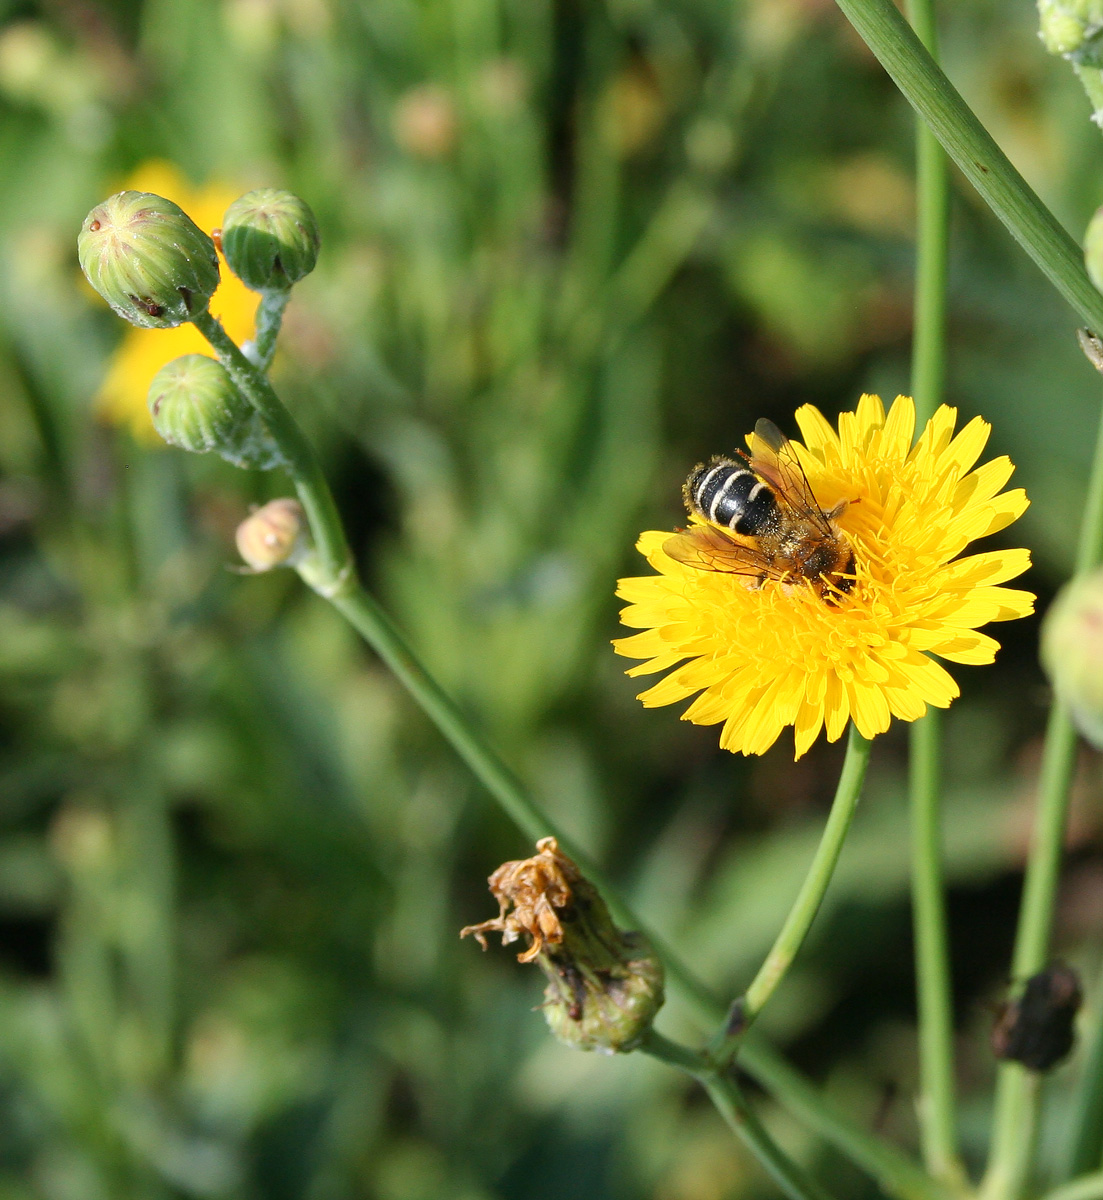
(1072,652)
(1071,27)
(276,535)
(604,985)
(195,405)
(270,239)
(148,259)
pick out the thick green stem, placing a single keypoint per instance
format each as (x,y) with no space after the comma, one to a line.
(970,145)
(937,1107)
(807,904)
(724,1092)
(1017,1089)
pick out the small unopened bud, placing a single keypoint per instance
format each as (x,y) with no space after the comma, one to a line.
(1036,1029)
(270,239)
(148,259)
(1072,652)
(604,985)
(195,405)
(1071,27)
(276,535)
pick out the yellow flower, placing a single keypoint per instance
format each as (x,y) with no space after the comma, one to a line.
(121,399)
(780,654)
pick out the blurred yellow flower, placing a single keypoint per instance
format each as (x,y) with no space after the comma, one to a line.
(764,657)
(121,399)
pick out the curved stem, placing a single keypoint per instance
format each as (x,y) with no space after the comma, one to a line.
(971,146)
(937,1107)
(725,1094)
(898,1175)
(803,913)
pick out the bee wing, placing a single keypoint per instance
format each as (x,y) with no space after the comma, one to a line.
(774,460)
(711,549)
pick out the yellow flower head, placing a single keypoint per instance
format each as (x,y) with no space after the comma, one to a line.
(763,657)
(121,399)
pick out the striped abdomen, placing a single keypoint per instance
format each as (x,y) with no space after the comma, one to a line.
(728,493)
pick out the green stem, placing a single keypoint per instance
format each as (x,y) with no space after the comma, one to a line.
(269,320)
(725,1094)
(897,1174)
(807,904)
(937,1107)
(1017,1090)
(303,466)
(970,145)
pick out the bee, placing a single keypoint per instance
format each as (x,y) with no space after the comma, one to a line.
(763,520)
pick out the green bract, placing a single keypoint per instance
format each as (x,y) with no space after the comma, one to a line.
(270,239)
(148,259)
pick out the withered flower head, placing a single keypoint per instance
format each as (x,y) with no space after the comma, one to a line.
(604,985)
(1037,1028)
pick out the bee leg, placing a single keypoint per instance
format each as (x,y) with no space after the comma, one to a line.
(833,514)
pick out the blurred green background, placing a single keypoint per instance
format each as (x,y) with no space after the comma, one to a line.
(570,248)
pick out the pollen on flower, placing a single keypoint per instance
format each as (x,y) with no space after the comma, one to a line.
(758,659)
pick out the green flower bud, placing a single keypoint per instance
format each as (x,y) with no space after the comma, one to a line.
(195,405)
(148,259)
(1072,652)
(1071,28)
(276,535)
(604,985)
(270,239)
